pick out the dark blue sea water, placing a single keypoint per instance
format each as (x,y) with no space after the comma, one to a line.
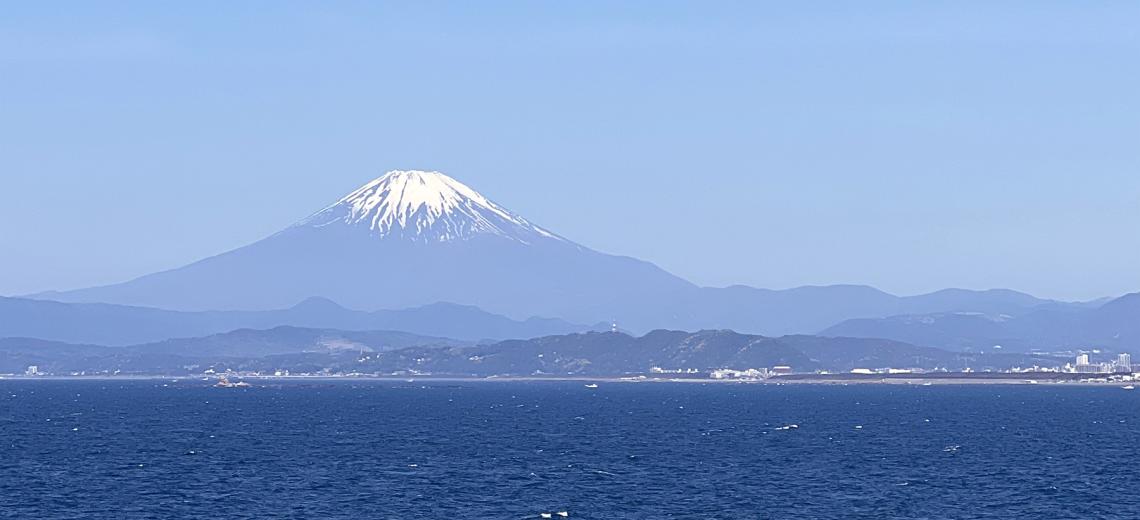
(354,450)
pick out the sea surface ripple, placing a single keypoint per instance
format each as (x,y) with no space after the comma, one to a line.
(384,449)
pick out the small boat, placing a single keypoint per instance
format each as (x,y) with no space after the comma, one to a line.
(1129,387)
(592,385)
(225,383)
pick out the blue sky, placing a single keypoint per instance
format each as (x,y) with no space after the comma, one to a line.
(907,145)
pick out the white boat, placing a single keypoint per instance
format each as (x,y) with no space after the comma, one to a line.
(1129,387)
(592,385)
(224,382)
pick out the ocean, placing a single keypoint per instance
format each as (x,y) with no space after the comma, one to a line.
(354,449)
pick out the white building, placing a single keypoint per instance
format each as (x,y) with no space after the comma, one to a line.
(1082,359)
(1124,362)
(32,370)
(729,373)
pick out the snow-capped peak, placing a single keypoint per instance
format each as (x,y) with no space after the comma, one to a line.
(425,206)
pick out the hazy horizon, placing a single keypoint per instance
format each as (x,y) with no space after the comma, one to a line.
(907,147)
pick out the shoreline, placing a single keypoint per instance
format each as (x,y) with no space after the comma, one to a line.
(793,379)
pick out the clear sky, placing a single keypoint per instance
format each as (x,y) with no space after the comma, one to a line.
(907,145)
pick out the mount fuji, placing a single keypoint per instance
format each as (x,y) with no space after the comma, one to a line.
(425,207)
(408,238)
(414,238)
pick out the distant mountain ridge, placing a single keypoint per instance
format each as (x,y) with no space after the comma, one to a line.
(293,340)
(1114,325)
(118,325)
(807,310)
(584,354)
(413,238)
(291,347)
(605,353)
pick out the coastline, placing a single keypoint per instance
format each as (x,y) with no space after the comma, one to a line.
(792,379)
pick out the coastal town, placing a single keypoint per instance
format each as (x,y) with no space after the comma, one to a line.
(1081,369)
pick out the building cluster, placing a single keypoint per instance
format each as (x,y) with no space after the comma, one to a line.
(869,371)
(659,370)
(750,373)
(1121,365)
(729,373)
